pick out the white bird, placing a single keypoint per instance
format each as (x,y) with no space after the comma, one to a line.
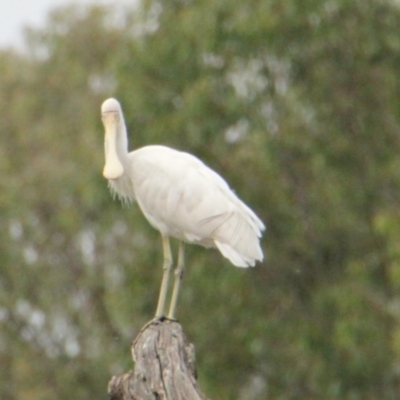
(182,198)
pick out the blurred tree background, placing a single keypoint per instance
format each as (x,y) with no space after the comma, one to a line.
(297,105)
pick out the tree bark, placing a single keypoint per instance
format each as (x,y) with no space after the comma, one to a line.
(164,366)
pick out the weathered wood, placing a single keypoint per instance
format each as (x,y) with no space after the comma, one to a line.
(164,366)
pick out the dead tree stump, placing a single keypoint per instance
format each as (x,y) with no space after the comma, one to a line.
(164,366)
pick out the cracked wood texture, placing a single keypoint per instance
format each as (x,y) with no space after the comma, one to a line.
(164,367)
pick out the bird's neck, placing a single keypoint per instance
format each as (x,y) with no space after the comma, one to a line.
(122,186)
(121,144)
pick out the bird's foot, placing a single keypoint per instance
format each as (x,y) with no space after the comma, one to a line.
(157,320)
(171,318)
(163,319)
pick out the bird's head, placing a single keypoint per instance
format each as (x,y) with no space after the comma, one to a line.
(111,115)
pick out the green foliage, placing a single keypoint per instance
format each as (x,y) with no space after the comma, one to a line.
(297,105)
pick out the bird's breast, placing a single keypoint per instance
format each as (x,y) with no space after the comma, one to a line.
(123,188)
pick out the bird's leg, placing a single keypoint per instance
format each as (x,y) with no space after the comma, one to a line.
(178,277)
(167,269)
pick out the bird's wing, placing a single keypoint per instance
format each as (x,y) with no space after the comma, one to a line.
(184,198)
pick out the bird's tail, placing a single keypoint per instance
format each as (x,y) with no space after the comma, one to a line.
(238,238)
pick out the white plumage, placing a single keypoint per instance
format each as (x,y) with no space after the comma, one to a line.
(180,196)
